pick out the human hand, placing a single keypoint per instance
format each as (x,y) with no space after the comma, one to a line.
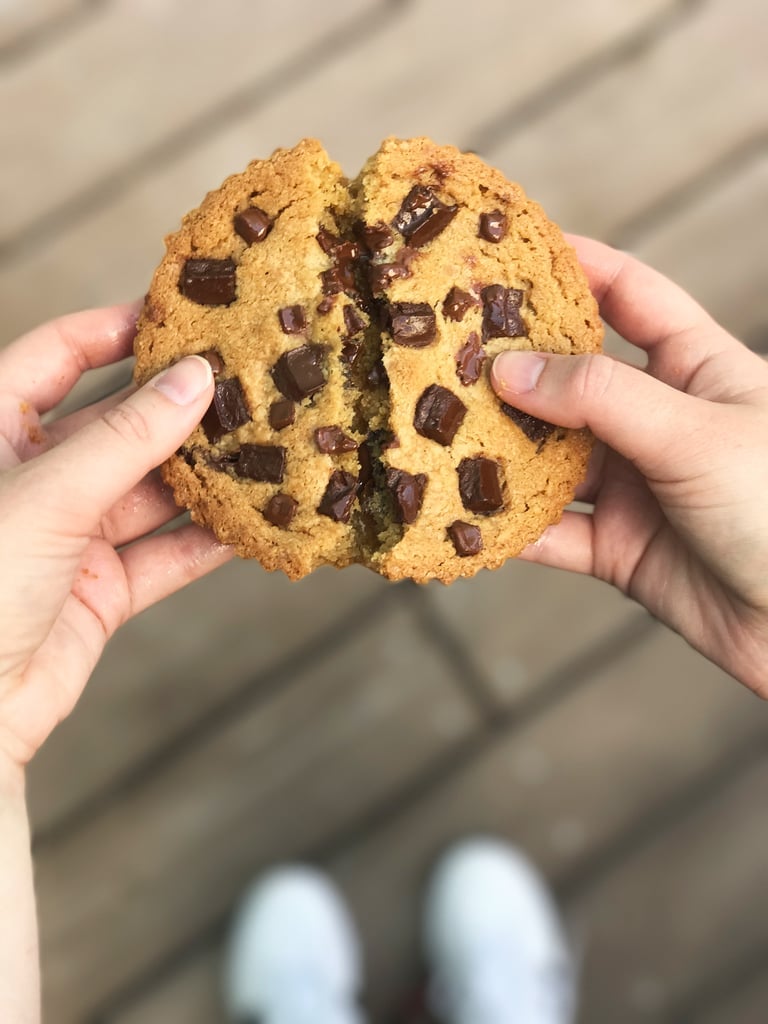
(78,497)
(679,477)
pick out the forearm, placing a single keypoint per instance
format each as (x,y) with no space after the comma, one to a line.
(19,970)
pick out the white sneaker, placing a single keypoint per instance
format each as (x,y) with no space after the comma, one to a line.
(494,942)
(294,957)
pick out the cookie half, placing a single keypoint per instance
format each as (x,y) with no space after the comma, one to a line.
(351,328)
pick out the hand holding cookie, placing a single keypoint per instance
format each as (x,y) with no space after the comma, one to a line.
(77,499)
(679,482)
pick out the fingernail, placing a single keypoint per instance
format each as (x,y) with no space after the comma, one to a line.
(185,381)
(514,373)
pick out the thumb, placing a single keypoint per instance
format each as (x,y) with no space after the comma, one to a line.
(83,477)
(643,419)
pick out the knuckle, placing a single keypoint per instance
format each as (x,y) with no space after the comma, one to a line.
(128,423)
(593,378)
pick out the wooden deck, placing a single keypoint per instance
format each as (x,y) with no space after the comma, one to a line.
(343,720)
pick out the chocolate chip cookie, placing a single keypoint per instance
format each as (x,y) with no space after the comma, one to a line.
(351,327)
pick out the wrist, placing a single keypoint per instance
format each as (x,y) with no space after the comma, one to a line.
(12,779)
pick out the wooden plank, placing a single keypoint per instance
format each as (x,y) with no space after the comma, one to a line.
(277,779)
(563,785)
(648,125)
(679,912)
(135,74)
(23,20)
(726,219)
(747,1005)
(168,671)
(120,241)
(192,994)
(524,622)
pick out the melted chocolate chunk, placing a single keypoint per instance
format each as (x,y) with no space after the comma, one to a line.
(408,492)
(353,321)
(280,510)
(501,312)
(480,485)
(439,414)
(299,372)
(377,375)
(325,305)
(214,360)
(253,224)
(423,216)
(227,411)
(470,359)
(292,319)
(457,302)
(493,226)
(341,276)
(467,539)
(535,430)
(333,441)
(413,324)
(381,275)
(282,414)
(336,502)
(209,282)
(350,353)
(262,462)
(375,237)
(327,240)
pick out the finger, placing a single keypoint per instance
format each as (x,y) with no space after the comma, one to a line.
(59,430)
(590,486)
(43,366)
(630,411)
(159,566)
(145,508)
(569,544)
(652,312)
(74,485)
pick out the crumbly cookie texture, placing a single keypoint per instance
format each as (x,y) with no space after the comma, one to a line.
(351,328)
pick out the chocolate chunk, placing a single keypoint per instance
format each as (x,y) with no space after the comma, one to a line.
(493,226)
(408,492)
(501,312)
(292,319)
(470,359)
(439,414)
(299,372)
(353,321)
(253,224)
(224,460)
(214,360)
(467,539)
(227,411)
(535,430)
(325,305)
(413,324)
(327,240)
(333,441)
(262,462)
(423,216)
(282,414)
(457,302)
(375,236)
(336,502)
(480,485)
(209,282)
(280,510)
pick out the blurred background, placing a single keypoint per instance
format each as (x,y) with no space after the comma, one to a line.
(355,723)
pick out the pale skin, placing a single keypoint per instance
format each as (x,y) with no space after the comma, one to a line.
(676,488)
